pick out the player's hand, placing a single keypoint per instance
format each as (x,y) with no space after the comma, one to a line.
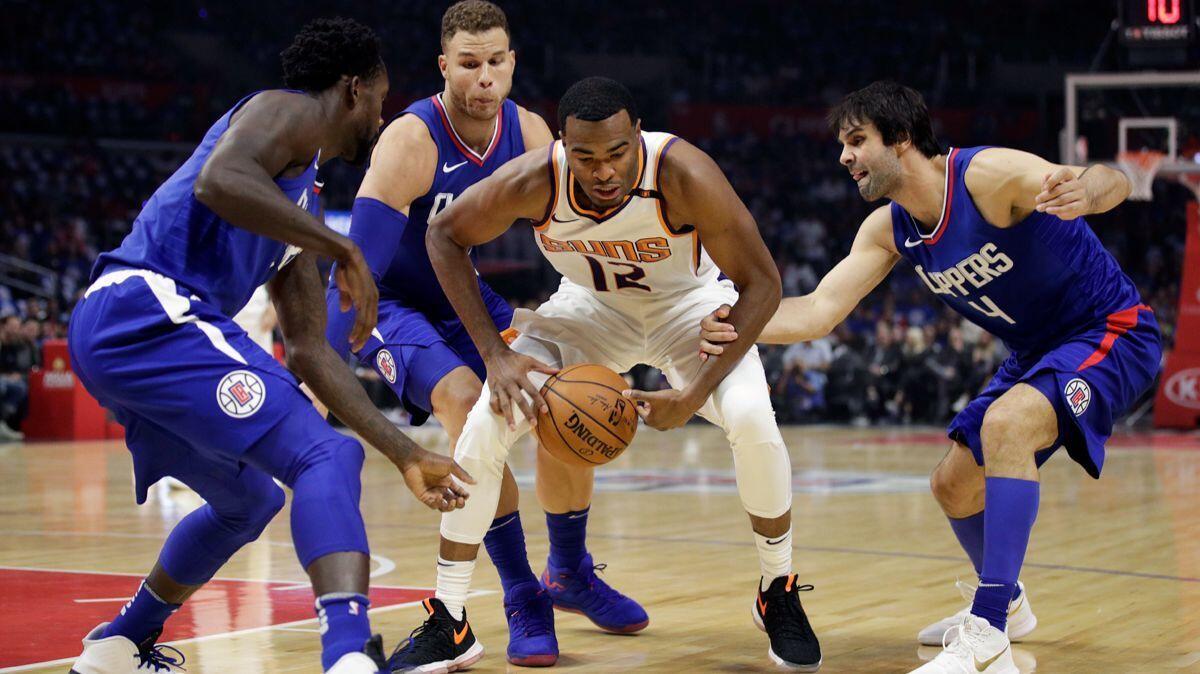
(357,289)
(508,378)
(437,481)
(714,331)
(664,409)
(1063,195)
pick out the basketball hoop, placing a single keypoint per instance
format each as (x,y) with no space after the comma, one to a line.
(1141,167)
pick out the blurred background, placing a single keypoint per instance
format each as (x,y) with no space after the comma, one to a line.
(101,101)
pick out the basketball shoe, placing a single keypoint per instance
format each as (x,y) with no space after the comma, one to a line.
(1021,620)
(530,613)
(580,590)
(778,613)
(119,655)
(440,645)
(973,647)
(368,661)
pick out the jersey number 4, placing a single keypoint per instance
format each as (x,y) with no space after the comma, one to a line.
(990,309)
(621,280)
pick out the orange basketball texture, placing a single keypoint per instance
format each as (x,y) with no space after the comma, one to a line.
(589,423)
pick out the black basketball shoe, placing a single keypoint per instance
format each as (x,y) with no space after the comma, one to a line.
(778,613)
(440,644)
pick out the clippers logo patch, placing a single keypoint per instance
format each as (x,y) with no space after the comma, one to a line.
(386,365)
(1079,394)
(241,393)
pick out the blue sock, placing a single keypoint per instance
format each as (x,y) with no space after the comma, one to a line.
(344,625)
(141,617)
(1011,509)
(505,543)
(969,531)
(568,532)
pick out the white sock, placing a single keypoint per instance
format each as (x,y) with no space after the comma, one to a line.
(453,584)
(774,556)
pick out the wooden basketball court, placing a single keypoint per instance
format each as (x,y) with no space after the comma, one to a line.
(1113,572)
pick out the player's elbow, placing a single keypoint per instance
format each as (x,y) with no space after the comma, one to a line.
(209,189)
(302,355)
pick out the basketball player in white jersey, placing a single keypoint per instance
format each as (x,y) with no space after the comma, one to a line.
(621,214)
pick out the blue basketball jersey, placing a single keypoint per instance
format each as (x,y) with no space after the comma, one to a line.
(1033,285)
(177,236)
(410,277)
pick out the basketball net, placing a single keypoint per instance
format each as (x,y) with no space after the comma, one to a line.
(1141,167)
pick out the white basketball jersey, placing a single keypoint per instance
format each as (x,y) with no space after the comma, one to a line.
(630,250)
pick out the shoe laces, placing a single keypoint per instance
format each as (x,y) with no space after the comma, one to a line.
(430,637)
(966,639)
(525,618)
(155,658)
(601,591)
(793,621)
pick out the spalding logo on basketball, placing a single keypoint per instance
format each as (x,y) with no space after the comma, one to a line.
(386,365)
(1079,394)
(1183,388)
(241,393)
(589,422)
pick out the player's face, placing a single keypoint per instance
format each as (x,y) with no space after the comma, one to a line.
(604,157)
(875,167)
(478,69)
(367,115)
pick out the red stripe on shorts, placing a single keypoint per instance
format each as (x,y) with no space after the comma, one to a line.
(1117,324)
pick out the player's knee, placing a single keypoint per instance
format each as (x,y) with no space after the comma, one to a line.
(266,505)
(459,401)
(950,490)
(749,419)
(1005,430)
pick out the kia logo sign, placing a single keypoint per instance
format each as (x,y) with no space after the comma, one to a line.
(1183,388)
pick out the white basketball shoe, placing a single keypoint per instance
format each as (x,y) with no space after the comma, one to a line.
(1021,620)
(972,647)
(368,661)
(119,655)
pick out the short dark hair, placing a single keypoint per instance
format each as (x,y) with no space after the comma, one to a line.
(595,98)
(899,112)
(472,16)
(326,49)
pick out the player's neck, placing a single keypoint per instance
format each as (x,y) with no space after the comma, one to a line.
(329,144)
(476,133)
(923,190)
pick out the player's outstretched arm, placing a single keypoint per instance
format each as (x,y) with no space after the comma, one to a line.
(518,190)
(1009,184)
(296,292)
(274,132)
(811,316)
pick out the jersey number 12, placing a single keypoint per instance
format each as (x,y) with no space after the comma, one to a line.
(622,280)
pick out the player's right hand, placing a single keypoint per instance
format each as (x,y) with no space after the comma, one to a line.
(357,289)
(508,377)
(714,331)
(436,481)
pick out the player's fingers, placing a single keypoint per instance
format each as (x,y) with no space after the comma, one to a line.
(460,473)
(707,348)
(724,336)
(506,407)
(643,411)
(533,402)
(498,401)
(345,295)
(723,311)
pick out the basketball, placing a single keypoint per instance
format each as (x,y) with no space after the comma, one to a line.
(589,422)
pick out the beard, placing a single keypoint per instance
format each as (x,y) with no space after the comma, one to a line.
(362,150)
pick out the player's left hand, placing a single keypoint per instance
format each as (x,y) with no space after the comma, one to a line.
(664,409)
(714,331)
(437,481)
(1063,195)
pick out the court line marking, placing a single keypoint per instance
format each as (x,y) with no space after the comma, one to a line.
(219,635)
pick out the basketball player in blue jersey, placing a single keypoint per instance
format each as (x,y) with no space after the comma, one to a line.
(426,157)
(999,236)
(153,340)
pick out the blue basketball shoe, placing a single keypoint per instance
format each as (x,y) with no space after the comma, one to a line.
(580,590)
(531,639)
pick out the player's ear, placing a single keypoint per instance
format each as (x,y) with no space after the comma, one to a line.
(353,90)
(442,66)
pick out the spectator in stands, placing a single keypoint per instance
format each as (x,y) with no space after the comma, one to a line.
(18,356)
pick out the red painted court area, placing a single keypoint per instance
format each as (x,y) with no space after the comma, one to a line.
(44,614)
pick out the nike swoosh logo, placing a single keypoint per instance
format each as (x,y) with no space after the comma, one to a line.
(575,517)
(441,564)
(447,168)
(909,243)
(777,541)
(555,218)
(982,666)
(459,636)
